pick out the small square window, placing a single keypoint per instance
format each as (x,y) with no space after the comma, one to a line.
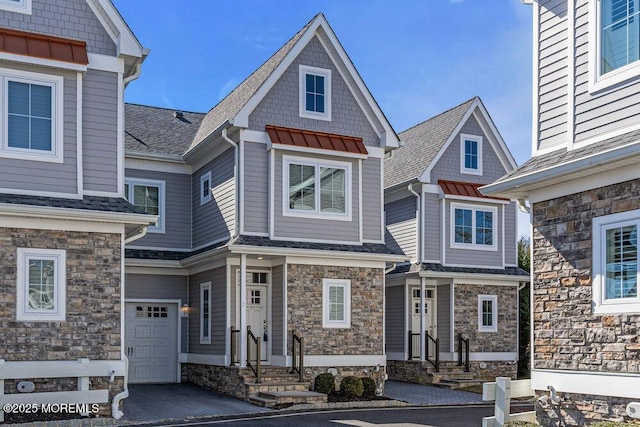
(315,93)
(205,188)
(205,313)
(471,154)
(41,285)
(487,313)
(336,303)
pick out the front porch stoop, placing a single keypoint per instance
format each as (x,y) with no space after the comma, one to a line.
(278,387)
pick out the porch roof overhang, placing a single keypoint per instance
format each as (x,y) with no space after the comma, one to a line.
(42,46)
(301,138)
(464,189)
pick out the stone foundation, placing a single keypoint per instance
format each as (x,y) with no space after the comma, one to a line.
(343,371)
(580,410)
(221,379)
(420,372)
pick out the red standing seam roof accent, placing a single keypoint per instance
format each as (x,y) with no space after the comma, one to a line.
(319,140)
(43,46)
(468,189)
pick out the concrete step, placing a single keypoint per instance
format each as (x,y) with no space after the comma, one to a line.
(253,388)
(289,397)
(453,384)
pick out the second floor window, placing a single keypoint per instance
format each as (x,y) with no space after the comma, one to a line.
(471,154)
(317,188)
(147,195)
(315,93)
(473,227)
(619,34)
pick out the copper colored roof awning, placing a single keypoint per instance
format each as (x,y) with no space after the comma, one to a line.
(318,140)
(45,47)
(466,189)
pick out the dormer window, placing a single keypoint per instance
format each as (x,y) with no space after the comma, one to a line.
(315,93)
(471,154)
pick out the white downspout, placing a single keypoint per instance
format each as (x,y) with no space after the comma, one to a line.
(134,76)
(418,223)
(236,170)
(115,403)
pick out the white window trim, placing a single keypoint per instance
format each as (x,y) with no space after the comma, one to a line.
(60,261)
(160,226)
(474,245)
(205,197)
(600,226)
(304,70)
(21,6)
(205,339)
(612,79)
(346,284)
(56,83)
(463,169)
(494,313)
(316,214)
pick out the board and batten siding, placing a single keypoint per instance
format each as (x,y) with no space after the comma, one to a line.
(605,111)
(155,286)
(289,227)
(432,217)
(371,203)
(177,220)
(215,220)
(277,307)
(48,177)
(552,74)
(395,315)
(100,131)
(401,222)
(218,309)
(280,106)
(256,188)
(443,315)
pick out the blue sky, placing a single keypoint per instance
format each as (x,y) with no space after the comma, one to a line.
(418,57)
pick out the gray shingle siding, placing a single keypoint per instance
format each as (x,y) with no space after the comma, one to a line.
(218,279)
(72,19)
(256,188)
(99,131)
(281,105)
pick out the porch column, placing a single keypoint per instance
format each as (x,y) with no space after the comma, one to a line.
(422,322)
(243,311)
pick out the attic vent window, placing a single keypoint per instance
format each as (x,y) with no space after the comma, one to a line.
(315,93)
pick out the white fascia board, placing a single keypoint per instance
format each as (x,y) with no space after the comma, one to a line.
(152,264)
(460,277)
(42,62)
(522,183)
(426,175)
(29,211)
(105,63)
(126,41)
(168,166)
(615,384)
(267,250)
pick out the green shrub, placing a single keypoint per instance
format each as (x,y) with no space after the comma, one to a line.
(368,386)
(351,386)
(325,383)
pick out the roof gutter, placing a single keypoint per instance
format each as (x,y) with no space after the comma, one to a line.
(29,211)
(237,189)
(269,250)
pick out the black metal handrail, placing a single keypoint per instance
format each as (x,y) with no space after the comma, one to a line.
(297,354)
(463,352)
(254,342)
(435,361)
(414,343)
(235,358)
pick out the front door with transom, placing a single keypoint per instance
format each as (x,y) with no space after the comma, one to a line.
(428,319)
(257,310)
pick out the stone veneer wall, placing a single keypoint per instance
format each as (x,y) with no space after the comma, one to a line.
(415,371)
(92,326)
(304,311)
(567,336)
(222,379)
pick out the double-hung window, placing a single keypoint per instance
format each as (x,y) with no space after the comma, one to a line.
(473,227)
(41,285)
(31,116)
(615,263)
(205,313)
(487,313)
(315,93)
(471,154)
(148,196)
(317,188)
(336,303)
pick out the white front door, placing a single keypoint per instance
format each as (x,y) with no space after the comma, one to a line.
(257,317)
(151,342)
(415,320)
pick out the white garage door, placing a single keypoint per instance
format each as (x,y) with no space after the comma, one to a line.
(150,342)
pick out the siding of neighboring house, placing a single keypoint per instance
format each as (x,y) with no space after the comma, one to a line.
(219,303)
(277,304)
(432,227)
(443,315)
(215,220)
(372,203)
(510,234)
(606,111)
(72,19)
(281,105)
(142,286)
(99,131)
(256,188)
(395,315)
(552,75)
(177,221)
(400,218)
(319,229)
(448,166)
(44,176)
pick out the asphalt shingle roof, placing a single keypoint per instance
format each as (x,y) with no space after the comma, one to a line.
(434,267)
(90,203)
(371,248)
(154,130)
(422,143)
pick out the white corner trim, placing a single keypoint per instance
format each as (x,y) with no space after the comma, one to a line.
(340,360)
(595,383)
(79,131)
(120,136)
